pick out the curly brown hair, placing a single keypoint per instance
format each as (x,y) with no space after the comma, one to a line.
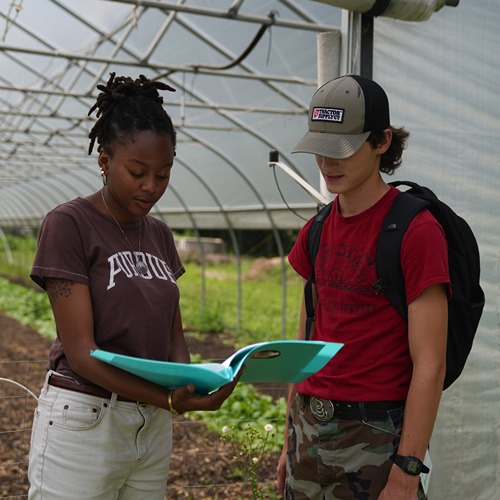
(392,158)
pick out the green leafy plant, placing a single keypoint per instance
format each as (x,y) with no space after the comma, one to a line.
(248,405)
(209,319)
(16,255)
(27,306)
(245,413)
(261,302)
(249,445)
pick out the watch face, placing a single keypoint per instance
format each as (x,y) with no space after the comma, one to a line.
(412,466)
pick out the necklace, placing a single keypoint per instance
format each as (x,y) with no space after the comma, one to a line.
(140,265)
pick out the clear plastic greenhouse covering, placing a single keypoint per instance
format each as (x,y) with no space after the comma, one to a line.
(441,76)
(54,53)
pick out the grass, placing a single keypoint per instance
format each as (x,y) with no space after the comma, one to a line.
(261,302)
(259,317)
(261,320)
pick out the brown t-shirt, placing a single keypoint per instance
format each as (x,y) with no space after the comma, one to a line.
(132,314)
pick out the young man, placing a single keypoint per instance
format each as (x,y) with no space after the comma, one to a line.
(360,428)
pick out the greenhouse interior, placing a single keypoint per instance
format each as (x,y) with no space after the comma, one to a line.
(244,72)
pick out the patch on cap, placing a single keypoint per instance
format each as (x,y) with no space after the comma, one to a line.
(327,115)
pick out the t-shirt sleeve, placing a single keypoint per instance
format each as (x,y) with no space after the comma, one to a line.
(163,234)
(175,261)
(60,252)
(299,255)
(424,256)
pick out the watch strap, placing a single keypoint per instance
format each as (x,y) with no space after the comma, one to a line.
(409,464)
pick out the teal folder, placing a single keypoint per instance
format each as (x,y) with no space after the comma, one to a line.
(279,361)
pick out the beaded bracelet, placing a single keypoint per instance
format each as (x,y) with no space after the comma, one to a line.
(170,404)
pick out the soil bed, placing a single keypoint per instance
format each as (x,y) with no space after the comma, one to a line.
(201,467)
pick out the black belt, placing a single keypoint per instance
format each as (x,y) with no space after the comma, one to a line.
(92,390)
(326,409)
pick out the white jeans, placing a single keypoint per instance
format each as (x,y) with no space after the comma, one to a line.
(90,448)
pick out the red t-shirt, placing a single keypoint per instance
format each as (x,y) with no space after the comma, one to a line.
(375,362)
(132,314)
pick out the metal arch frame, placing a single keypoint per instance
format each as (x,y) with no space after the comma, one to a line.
(161,215)
(230,14)
(36,201)
(275,231)
(72,172)
(13,202)
(175,9)
(230,229)
(8,251)
(52,93)
(194,30)
(153,66)
(142,61)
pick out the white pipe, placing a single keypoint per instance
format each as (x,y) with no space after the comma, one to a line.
(8,252)
(328,49)
(328,56)
(300,181)
(404,10)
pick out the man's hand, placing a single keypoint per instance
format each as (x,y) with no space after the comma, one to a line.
(400,486)
(281,474)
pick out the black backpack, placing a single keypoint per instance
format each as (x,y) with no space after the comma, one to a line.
(466,305)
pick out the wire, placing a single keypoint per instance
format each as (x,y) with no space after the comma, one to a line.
(272,19)
(270,44)
(246,52)
(282,196)
(19,385)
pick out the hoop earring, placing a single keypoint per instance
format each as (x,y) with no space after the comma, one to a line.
(104,177)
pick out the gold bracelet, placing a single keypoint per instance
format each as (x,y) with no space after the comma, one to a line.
(170,404)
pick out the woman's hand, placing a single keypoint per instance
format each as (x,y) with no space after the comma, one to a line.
(185,398)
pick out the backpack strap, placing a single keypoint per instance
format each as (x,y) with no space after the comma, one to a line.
(388,256)
(313,239)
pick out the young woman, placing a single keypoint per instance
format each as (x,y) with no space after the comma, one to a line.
(110,271)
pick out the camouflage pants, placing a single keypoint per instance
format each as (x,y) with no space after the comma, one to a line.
(339,459)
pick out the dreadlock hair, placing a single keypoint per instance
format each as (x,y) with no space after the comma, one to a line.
(126,107)
(391,159)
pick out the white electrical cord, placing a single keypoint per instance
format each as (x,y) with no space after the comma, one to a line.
(19,385)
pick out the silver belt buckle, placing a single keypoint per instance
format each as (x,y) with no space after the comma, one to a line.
(321,408)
